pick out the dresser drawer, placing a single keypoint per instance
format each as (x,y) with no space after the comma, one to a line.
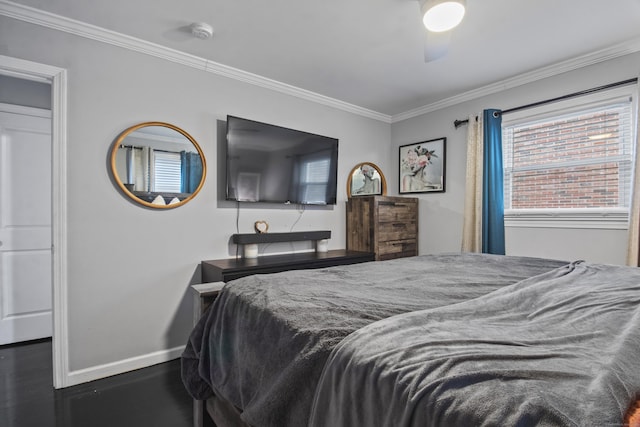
(397,249)
(391,212)
(397,231)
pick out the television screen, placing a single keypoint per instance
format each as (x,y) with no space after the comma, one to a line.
(268,163)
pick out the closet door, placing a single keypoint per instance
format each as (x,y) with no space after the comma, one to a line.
(25,224)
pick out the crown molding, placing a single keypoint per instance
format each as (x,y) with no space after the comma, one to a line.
(622,49)
(60,23)
(257,80)
(82,29)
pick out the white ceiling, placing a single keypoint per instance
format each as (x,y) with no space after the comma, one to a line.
(370,53)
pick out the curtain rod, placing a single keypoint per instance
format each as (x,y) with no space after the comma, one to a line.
(458,123)
(135,147)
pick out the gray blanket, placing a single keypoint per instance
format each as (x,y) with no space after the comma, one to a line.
(560,349)
(263,344)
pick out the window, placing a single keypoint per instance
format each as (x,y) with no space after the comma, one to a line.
(314,178)
(167,175)
(570,162)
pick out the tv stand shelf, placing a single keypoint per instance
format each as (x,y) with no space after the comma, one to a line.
(252,238)
(224,270)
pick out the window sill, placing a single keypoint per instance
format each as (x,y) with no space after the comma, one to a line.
(616,219)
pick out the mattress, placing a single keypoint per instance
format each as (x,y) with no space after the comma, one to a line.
(558,349)
(263,344)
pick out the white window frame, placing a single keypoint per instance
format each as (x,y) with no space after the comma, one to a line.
(599,218)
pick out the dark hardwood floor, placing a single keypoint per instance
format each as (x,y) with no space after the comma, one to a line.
(153,396)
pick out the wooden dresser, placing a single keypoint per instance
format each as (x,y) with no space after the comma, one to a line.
(387,226)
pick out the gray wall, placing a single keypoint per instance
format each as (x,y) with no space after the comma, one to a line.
(441,213)
(25,92)
(129,267)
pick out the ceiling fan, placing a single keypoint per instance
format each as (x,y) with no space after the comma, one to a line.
(439,18)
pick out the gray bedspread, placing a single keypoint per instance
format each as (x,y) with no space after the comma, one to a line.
(560,349)
(265,340)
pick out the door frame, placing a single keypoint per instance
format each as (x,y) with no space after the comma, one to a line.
(57,77)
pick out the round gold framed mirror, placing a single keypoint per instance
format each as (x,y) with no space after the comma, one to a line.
(158,165)
(366,179)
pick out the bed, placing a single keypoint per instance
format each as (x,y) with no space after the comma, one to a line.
(442,340)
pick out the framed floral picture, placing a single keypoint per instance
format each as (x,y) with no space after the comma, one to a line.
(422,166)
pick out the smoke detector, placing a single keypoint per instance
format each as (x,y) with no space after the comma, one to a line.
(201,30)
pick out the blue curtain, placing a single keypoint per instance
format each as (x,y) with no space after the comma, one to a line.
(191,171)
(492,185)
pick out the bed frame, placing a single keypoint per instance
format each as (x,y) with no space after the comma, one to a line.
(219,410)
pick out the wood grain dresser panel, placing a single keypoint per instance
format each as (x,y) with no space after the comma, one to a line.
(387,226)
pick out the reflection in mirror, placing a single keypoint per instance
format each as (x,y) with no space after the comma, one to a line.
(158,165)
(366,179)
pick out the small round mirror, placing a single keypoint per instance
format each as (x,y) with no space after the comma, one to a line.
(158,165)
(366,179)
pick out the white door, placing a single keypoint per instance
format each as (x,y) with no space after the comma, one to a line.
(25,224)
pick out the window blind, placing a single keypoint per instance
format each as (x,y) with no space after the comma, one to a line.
(315,177)
(166,172)
(582,159)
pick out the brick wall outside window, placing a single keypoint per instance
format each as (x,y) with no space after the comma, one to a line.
(556,164)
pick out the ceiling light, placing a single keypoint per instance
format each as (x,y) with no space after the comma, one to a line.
(442,15)
(201,30)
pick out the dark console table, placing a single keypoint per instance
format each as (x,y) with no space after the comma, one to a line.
(224,270)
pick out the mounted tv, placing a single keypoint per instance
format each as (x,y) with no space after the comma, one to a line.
(273,164)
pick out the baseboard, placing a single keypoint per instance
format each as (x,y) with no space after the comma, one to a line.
(102,371)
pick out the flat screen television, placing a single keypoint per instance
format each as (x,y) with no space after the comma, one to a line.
(273,164)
